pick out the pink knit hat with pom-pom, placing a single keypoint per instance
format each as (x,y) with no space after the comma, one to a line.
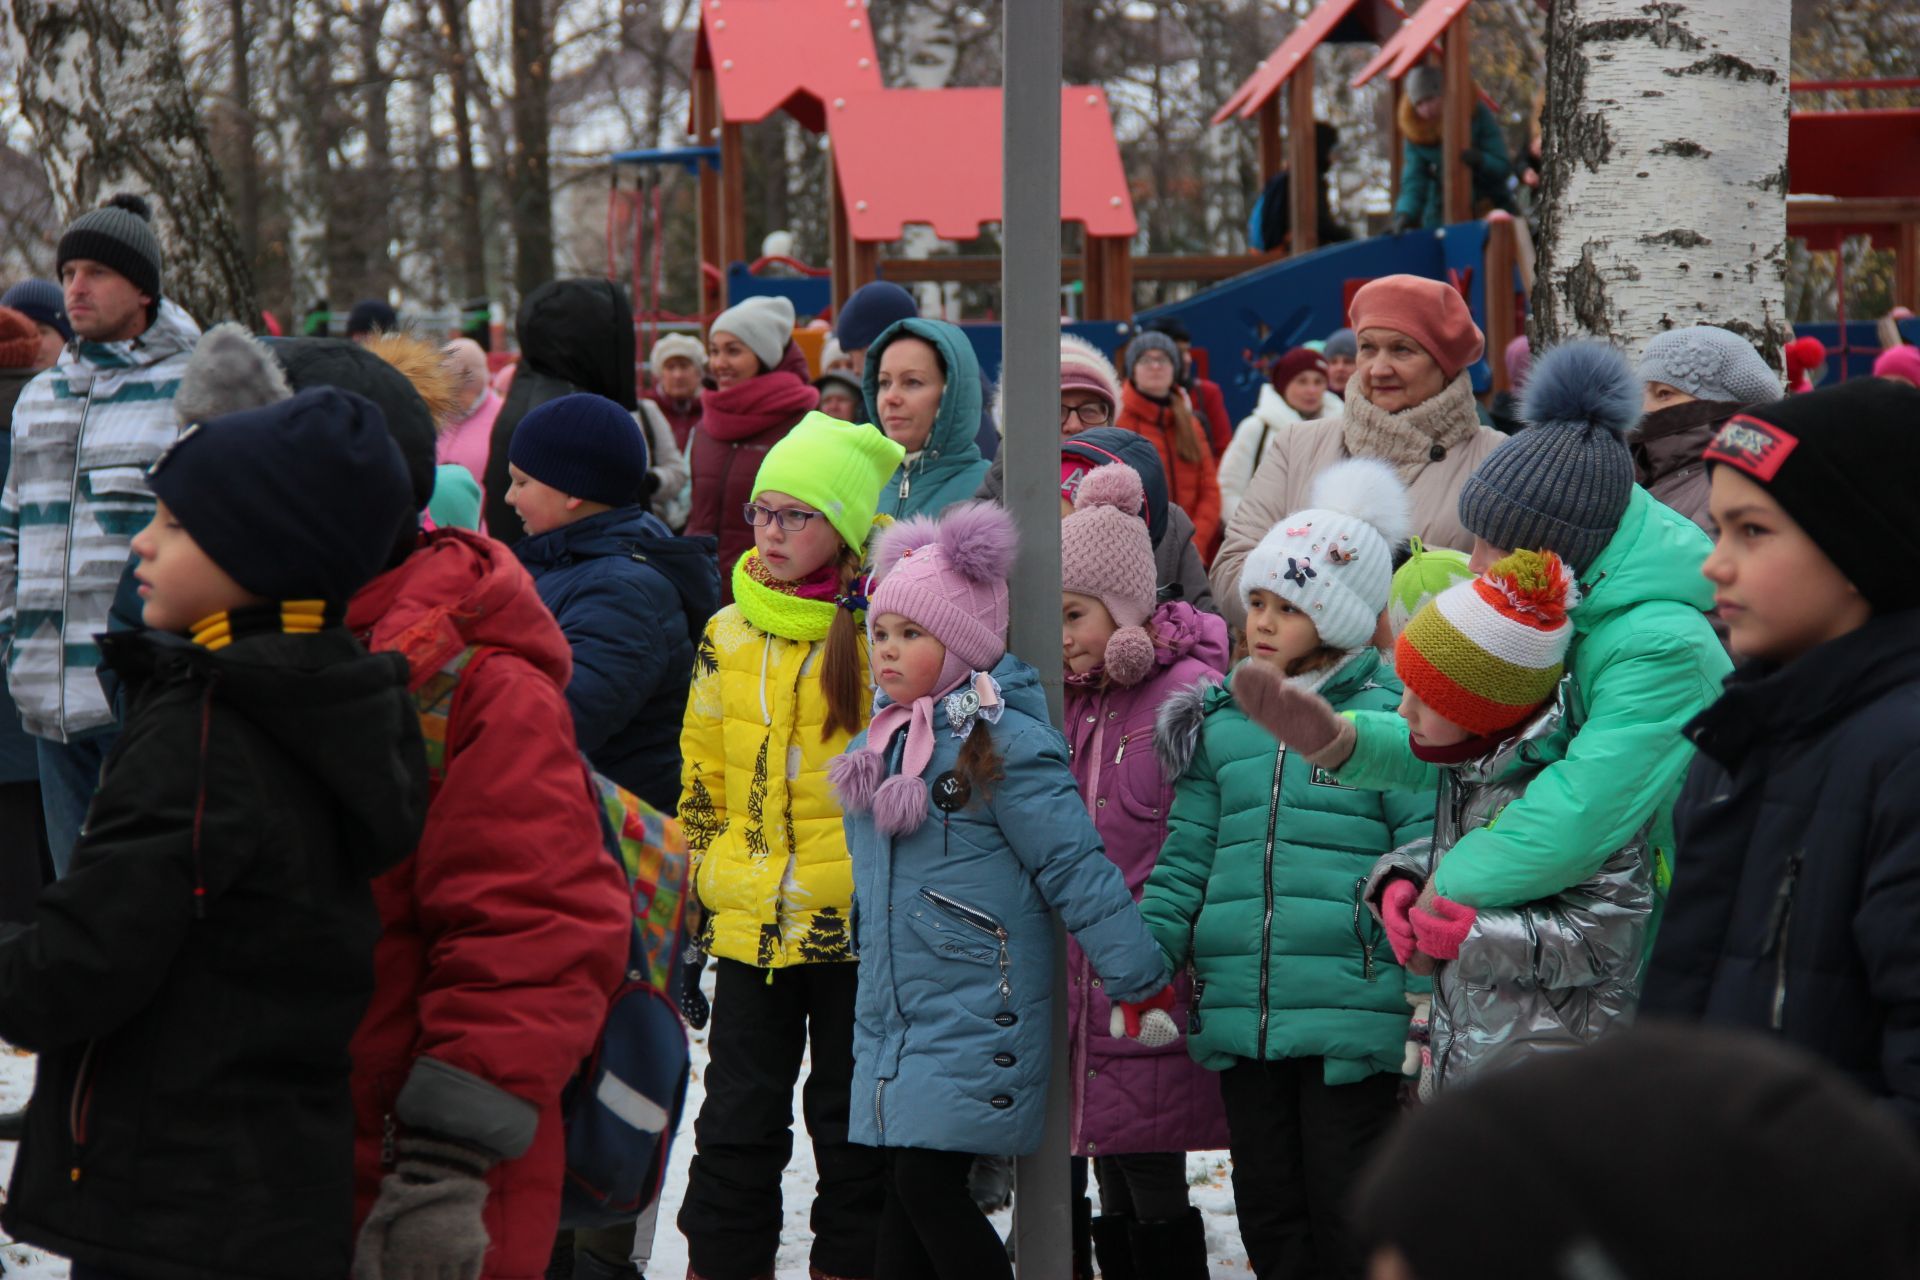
(950,576)
(1106,553)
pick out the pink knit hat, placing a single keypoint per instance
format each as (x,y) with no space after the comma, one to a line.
(950,577)
(1899,362)
(1105,552)
(1431,313)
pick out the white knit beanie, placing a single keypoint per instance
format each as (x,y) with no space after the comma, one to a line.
(677,346)
(1334,561)
(764,324)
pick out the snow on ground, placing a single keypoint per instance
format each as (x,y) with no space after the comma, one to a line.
(1207,1171)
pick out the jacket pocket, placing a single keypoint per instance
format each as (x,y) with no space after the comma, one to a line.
(955,930)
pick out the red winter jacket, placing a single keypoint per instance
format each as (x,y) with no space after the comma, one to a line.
(506,932)
(1210,406)
(737,427)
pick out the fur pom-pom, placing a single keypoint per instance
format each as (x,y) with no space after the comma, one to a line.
(1129,656)
(855,776)
(1537,584)
(229,371)
(979,540)
(1113,485)
(896,540)
(900,805)
(1366,489)
(426,367)
(134,204)
(1586,384)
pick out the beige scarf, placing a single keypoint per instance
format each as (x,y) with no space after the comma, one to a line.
(1407,439)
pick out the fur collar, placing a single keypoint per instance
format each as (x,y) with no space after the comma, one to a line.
(1421,133)
(1176,727)
(1406,439)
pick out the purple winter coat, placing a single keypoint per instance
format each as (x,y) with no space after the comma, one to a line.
(1128,1098)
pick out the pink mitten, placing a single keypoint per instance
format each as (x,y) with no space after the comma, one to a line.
(1440,932)
(1148,1021)
(1395,901)
(1300,720)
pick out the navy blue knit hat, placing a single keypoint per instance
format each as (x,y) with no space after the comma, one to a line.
(1562,484)
(42,302)
(297,500)
(865,315)
(371,315)
(584,445)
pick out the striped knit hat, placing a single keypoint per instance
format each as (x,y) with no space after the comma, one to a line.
(1486,653)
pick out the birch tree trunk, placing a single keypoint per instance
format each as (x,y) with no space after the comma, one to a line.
(1665,183)
(104,90)
(305,168)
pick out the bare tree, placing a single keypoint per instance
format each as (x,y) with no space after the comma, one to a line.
(470,237)
(103,87)
(1665,154)
(529,179)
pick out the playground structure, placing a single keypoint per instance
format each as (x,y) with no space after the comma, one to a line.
(1853,173)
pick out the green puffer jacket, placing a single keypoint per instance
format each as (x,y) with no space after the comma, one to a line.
(1258,887)
(1644,661)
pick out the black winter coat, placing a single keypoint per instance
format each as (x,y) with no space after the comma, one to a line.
(192,984)
(1796,893)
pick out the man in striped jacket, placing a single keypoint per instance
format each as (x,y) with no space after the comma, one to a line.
(83,435)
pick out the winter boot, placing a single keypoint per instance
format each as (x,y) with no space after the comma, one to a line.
(588,1265)
(1172,1250)
(1113,1248)
(1083,1239)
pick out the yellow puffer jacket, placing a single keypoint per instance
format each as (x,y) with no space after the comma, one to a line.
(772,868)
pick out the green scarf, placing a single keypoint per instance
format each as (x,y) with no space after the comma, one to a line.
(776,612)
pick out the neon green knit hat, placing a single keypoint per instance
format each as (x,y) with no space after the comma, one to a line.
(1425,575)
(836,466)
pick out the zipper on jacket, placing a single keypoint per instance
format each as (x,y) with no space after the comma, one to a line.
(1193,978)
(66,568)
(1121,754)
(1266,919)
(980,920)
(77,1107)
(389,1137)
(1359,930)
(879,1116)
(1779,926)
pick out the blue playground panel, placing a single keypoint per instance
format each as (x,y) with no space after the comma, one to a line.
(810,295)
(1862,343)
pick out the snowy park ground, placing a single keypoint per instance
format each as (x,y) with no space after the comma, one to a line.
(1208,1172)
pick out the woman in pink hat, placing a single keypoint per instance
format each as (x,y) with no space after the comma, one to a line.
(1410,404)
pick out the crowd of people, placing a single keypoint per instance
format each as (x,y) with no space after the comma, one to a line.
(1403,755)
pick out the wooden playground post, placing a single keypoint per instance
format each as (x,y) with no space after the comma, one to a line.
(1303,161)
(1498,284)
(839,238)
(733,197)
(1906,267)
(1272,148)
(706,130)
(1456,133)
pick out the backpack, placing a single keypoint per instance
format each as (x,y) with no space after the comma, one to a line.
(621,1109)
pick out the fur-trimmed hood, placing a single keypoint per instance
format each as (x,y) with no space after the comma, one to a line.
(425,366)
(1176,730)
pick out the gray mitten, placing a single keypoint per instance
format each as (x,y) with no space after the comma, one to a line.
(426,1222)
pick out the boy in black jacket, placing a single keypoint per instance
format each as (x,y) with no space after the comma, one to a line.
(192,985)
(1796,892)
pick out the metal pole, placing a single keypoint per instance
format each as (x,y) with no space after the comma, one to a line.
(1030,299)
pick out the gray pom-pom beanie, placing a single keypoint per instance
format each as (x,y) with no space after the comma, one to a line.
(1562,484)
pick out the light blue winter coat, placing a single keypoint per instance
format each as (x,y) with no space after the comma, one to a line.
(951,467)
(952,1034)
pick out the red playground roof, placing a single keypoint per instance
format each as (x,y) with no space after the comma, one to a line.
(1863,154)
(794,54)
(1411,42)
(1300,44)
(889,180)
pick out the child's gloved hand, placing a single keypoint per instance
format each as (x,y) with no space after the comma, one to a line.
(1300,720)
(1149,1021)
(1440,929)
(1396,900)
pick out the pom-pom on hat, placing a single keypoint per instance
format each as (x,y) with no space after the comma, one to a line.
(1433,314)
(118,235)
(1486,653)
(371,315)
(1563,483)
(950,576)
(229,370)
(584,445)
(1709,363)
(835,467)
(1427,572)
(1334,560)
(1105,553)
(1898,362)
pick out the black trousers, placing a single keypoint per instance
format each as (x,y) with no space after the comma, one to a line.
(930,1228)
(1298,1145)
(1150,1187)
(764,1021)
(25,863)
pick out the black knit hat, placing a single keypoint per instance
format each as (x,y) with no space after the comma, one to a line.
(584,445)
(335,362)
(298,500)
(371,315)
(1841,462)
(118,235)
(1659,1154)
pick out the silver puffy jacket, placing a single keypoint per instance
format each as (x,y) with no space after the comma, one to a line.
(1553,974)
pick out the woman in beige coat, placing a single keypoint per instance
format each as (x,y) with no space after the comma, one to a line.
(1409,403)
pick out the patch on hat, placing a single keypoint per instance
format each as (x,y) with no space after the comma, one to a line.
(1750,445)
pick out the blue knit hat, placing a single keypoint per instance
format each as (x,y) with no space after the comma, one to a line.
(584,445)
(371,315)
(1562,484)
(297,500)
(42,302)
(869,311)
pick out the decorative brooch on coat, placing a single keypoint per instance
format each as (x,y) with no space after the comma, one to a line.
(978,699)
